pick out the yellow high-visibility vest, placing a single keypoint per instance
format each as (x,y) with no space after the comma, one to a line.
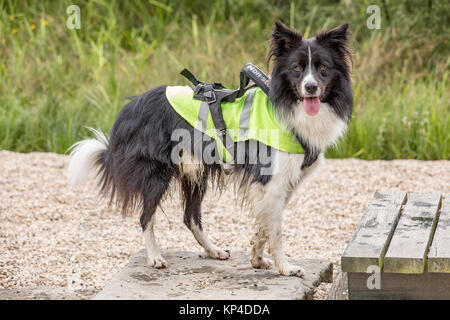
(251,116)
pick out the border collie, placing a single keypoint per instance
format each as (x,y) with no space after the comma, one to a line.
(310,90)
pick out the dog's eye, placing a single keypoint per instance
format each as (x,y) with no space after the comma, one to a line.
(322,68)
(298,68)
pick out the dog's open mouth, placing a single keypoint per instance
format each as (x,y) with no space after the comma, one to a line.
(311,105)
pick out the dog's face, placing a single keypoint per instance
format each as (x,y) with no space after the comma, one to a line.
(309,70)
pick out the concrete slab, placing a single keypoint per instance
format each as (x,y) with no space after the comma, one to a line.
(191,276)
(45,293)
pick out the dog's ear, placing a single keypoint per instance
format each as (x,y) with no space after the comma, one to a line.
(283,39)
(335,38)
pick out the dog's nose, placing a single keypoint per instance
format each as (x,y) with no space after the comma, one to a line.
(311,87)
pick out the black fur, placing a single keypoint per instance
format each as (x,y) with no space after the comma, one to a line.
(193,194)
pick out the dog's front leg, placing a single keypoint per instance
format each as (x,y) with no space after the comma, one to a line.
(257,254)
(267,208)
(277,252)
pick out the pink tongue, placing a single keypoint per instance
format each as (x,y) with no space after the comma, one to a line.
(311,105)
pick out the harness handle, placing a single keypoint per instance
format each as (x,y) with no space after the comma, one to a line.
(252,72)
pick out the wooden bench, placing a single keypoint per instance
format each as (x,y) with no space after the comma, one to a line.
(401,248)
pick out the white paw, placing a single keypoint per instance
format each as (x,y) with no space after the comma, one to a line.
(261,263)
(157,262)
(218,254)
(291,270)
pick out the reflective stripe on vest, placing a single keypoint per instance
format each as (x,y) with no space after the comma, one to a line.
(244,121)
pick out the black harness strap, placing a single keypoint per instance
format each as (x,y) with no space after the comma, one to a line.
(215,108)
(188,75)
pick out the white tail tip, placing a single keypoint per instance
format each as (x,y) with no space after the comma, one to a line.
(83,157)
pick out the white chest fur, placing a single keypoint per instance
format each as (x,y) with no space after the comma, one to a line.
(322,130)
(287,174)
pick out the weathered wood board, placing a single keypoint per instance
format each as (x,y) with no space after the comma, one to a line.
(394,286)
(409,245)
(416,250)
(371,239)
(439,255)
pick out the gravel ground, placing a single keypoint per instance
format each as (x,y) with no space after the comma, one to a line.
(51,235)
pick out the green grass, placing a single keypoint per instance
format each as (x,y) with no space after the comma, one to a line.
(54,81)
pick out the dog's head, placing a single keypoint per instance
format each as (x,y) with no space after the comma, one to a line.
(311,71)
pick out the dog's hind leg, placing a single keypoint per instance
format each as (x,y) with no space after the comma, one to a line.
(154,258)
(150,201)
(193,193)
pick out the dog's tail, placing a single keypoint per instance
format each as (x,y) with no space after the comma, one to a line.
(87,158)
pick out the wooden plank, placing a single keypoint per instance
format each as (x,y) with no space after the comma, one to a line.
(370,241)
(395,286)
(413,235)
(439,255)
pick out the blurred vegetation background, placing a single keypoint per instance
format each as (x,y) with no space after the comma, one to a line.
(54,81)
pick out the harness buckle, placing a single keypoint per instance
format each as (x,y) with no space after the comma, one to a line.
(210,96)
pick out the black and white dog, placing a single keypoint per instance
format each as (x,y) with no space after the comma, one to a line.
(310,89)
